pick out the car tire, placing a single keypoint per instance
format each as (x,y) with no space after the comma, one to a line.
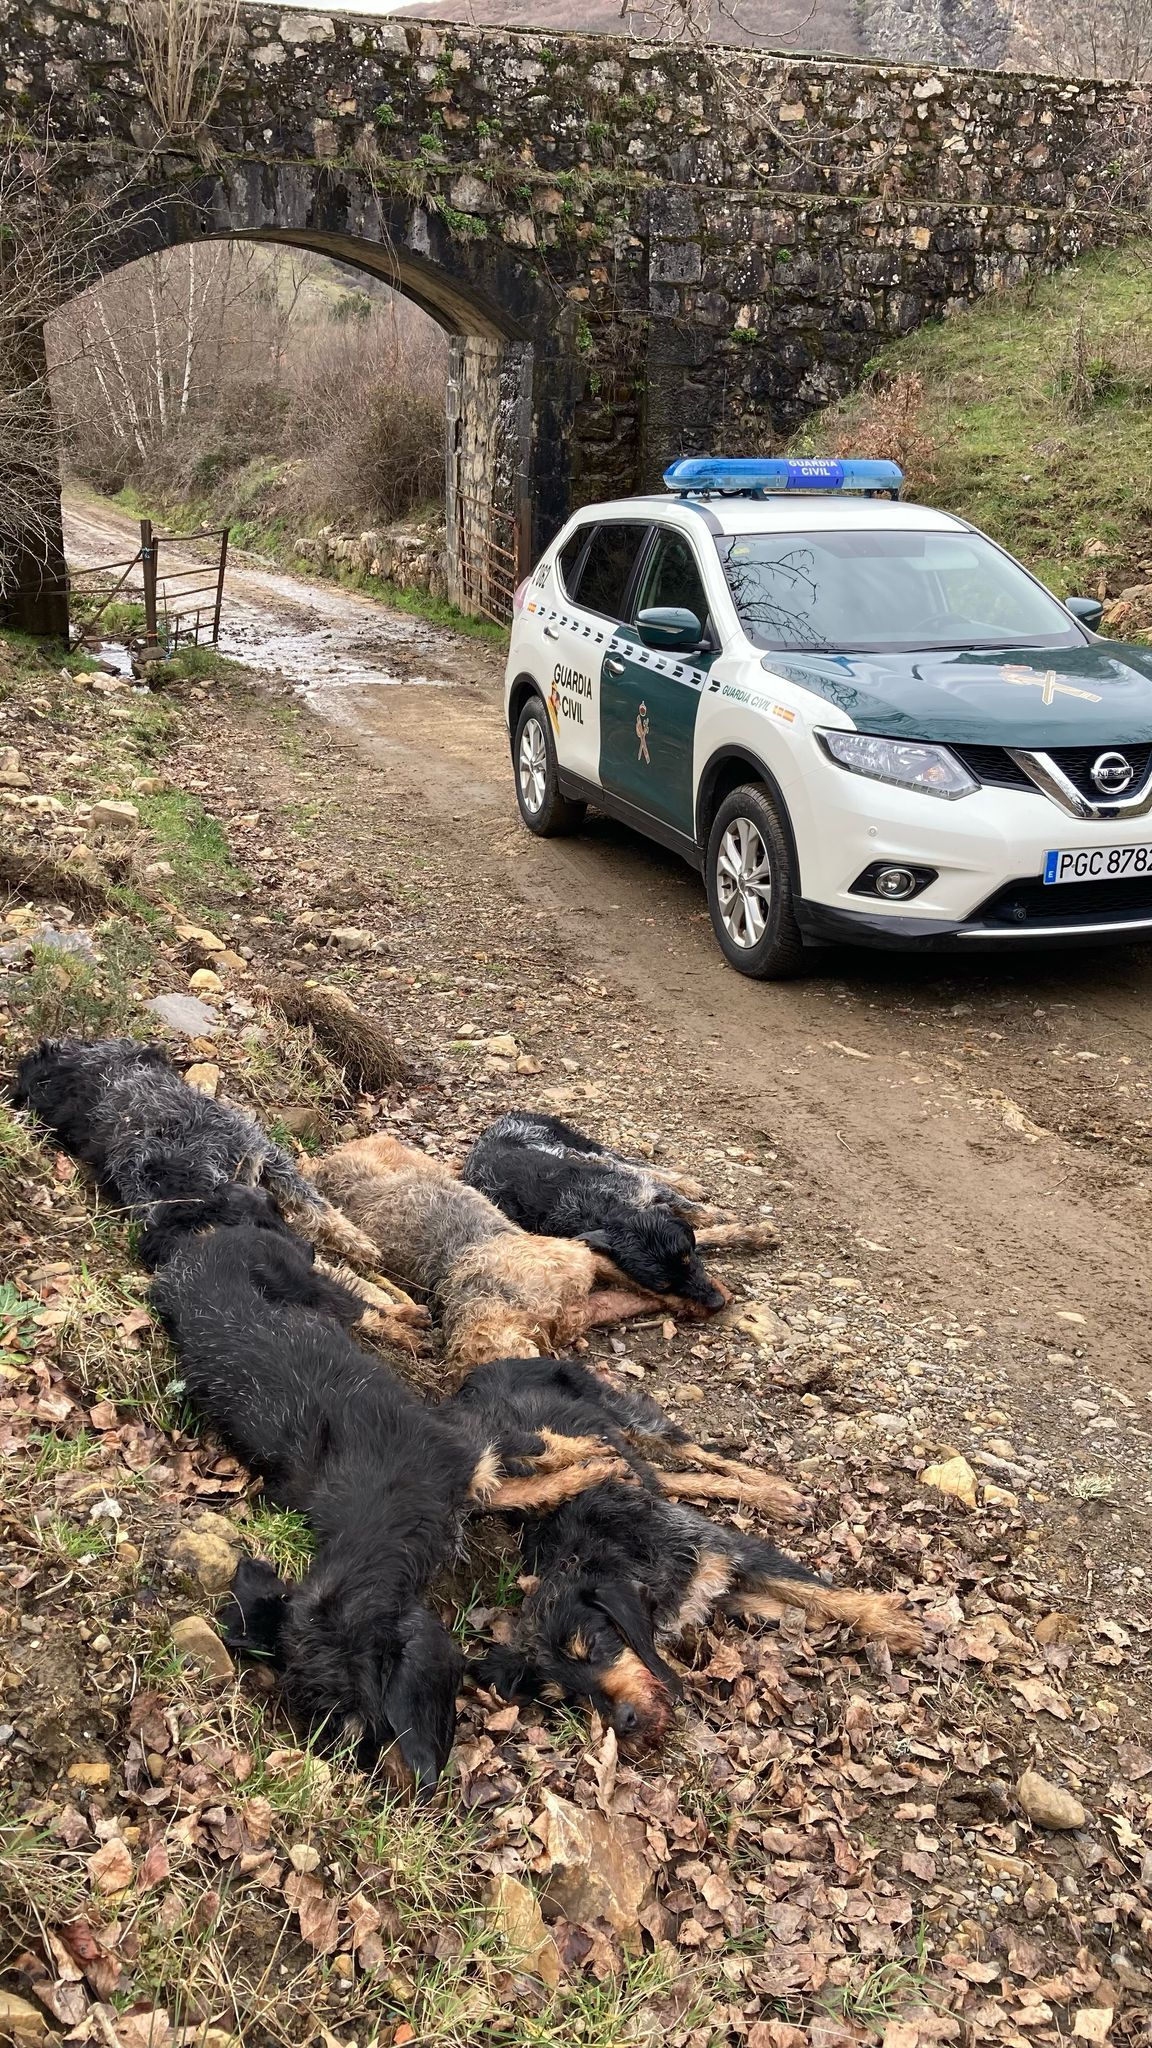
(544,810)
(751,877)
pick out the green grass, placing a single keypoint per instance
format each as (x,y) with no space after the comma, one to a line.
(190,839)
(416,604)
(62,994)
(283,1537)
(1035,420)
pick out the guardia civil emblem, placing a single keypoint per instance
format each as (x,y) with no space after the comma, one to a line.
(642,723)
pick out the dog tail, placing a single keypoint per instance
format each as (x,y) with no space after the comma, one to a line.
(766,1578)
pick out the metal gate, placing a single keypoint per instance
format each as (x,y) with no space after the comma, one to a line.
(174,615)
(487,454)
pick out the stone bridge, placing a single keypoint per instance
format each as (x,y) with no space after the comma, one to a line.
(638,249)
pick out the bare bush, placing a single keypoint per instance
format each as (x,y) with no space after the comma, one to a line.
(886,423)
(183,49)
(1082,39)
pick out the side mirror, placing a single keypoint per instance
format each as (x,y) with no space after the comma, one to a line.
(670,628)
(1089,611)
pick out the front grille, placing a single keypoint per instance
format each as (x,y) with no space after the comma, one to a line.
(995,765)
(1032,902)
(1076,763)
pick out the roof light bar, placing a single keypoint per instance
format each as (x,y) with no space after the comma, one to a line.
(744,477)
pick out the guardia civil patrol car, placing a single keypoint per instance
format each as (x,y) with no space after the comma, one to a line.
(860,718)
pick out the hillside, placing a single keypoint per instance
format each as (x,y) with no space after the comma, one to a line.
(1032,415)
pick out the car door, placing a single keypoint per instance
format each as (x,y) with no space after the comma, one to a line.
(577,626)
(649,700)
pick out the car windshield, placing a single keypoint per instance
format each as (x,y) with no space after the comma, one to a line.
(877,592)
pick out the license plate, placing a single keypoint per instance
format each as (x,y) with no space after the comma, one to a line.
(1097,863)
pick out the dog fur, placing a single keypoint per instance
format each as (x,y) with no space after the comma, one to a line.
(620,1572)
(547,1176)
(497,1291)
(121,1108)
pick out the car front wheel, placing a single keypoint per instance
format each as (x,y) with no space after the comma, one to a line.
(751,880)
(544,810)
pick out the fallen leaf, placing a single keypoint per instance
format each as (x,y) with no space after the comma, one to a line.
(110,1868)
(318,1914)
(1018,1120)
(851,1052)
(1093,2023)
(517,1914)
(606,1764)
(1042,1698)
(155,1867)
(1134,1761)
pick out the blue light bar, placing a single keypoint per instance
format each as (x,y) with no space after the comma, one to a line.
(744,477)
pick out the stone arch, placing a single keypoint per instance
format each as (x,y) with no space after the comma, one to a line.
(506,448)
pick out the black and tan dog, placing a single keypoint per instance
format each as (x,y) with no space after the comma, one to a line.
(619,1571)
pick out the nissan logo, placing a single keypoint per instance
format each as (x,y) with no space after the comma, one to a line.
(1111,773)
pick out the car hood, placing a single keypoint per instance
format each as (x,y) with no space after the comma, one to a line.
(1096,695)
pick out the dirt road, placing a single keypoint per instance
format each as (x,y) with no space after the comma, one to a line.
(984,1128)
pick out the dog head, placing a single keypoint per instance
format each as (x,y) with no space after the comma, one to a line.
(656,1248)
(585,1639)
(230,1208)
(360,1673)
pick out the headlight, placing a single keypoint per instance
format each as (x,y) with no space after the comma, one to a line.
(911,764)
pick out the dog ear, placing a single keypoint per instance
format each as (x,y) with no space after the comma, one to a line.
(628,1605)
(596,1240)
(251,1619)
(499,1669)
(420,1697)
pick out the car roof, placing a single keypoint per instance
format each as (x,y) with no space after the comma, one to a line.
(783,512)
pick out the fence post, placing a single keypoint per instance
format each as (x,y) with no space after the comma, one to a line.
(148,566)
(220,585)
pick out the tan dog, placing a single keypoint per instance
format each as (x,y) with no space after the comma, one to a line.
(498,1291)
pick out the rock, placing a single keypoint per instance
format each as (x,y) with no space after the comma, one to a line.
(1041,1894)
(12,776)
(764,1326)
(197,1640)
(205,982)
(184,1013)
(517,1914)
(955,1478)
(302,1120)
(235,962)
(116,815)
(157,869)
(350,939)
(19,2021)
(527,1065)
(999,1496)
(688,1393)
(1085,1409)
(1048,1805)
(502,1045)
(93,1775)
(204,1076)
(303,1857)
(197,935)
(597,1866)
(148,785)
(207,1552)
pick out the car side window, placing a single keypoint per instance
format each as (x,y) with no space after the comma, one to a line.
(672,578)
(608,566)
(569,557)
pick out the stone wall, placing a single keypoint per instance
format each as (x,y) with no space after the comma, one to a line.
(696,248)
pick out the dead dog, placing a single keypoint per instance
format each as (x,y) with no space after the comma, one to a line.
(385,1482)
(498,1291)
(121,1108)
(619,1572)
(547,1176)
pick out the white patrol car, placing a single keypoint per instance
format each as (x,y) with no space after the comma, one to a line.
(859,717)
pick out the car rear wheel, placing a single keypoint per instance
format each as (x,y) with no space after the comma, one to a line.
(544,810)
(751,880)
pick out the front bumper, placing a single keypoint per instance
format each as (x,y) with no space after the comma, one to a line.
(821,924)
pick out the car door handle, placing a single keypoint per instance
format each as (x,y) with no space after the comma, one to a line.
(550,633)
(614,667)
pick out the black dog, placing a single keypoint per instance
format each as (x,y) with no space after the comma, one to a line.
(549,1178)
(123,1110)
(384,1481)
(618,1571)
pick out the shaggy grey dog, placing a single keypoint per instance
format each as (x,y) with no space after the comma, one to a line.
(123,1110)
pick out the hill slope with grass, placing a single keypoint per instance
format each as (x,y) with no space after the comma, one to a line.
(1031,415)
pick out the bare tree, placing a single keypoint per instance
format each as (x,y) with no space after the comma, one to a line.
(1084,39)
